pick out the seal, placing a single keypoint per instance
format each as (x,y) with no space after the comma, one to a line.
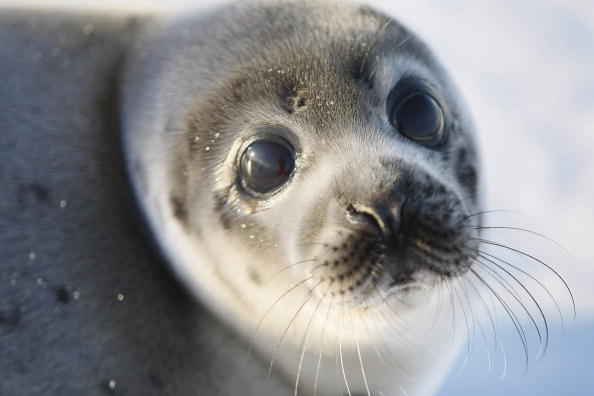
(307,170)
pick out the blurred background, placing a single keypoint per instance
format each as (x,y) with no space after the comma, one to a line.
(526,71)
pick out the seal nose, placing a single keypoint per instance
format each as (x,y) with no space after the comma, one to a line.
(382,217)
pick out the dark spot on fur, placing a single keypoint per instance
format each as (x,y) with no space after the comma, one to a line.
(62,295)
(40,192)
(355,69)
(466,172)
(254,275)
(155,380)
(10,317)
(32,193)
(240,89)
(468,177)
(428,191)
(179,209)
(462,156)
(369,12)
(220,208)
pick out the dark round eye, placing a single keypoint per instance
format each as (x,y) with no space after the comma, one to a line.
(266,165)
(419,117)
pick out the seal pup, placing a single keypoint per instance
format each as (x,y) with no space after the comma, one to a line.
(306,168)
(308,171)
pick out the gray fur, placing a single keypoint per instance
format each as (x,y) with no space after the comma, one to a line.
(59,141)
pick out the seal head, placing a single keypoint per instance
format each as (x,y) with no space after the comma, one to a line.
(309,171)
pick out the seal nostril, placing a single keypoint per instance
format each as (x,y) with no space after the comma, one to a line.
(382,219)
(367,219)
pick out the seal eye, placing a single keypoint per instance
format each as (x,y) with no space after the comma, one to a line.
(419,117)
(266,165)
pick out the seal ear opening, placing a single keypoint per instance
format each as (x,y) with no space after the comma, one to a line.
(294,100)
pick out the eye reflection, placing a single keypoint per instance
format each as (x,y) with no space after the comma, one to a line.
(266,165)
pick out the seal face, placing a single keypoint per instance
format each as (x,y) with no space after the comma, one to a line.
(310,173)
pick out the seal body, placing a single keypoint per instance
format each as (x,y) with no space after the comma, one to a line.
(85,307)
(335,274)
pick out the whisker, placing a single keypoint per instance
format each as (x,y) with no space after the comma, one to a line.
(379,32)
(468,339)
(529,232)
(452,329)
(305,338)
(346,382)
(539,261)
(504,371)
(390,310)
(507,286)
(542,315)
(476,321)
(397,333)
(377,352)
(498,345)
(492,211)
(307,298)
(401,43)
(393,361)
(289,267)
(487,311)
(437,311)
(533,278)
(270,309)
(361,360)
(322,347)
(510,314)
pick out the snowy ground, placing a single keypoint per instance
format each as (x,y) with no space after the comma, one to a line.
(525,69)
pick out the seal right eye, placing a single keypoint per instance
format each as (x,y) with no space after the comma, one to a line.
(266,166)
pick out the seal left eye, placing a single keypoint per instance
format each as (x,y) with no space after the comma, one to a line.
(266,165)
(420,118)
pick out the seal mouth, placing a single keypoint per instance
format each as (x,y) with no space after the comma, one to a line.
(359,267)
